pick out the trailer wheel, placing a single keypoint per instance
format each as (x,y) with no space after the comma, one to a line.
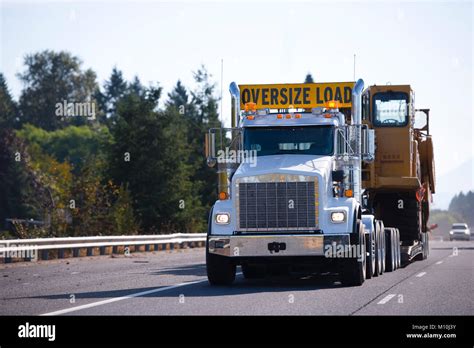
(253,271)
(354,269)
(382,238)
(371,245)
(378,251)
(425,242)
(389,250)
(397,249)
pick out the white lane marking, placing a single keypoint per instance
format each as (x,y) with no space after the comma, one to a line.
(386,299)
(439,262)
(116,299)
(419,275)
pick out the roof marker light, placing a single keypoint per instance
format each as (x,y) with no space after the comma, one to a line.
(250,107)
(332,104)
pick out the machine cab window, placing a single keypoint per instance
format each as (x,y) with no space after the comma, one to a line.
(390,109)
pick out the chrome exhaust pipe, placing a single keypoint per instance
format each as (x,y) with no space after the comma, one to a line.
(356,120)
(235,95)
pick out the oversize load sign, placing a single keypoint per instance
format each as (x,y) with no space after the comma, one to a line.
(297,95)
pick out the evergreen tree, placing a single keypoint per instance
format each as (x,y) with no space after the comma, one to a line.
(206,116)
(463,204)
(114,89)
(51,78)
(8,108)
(150,155)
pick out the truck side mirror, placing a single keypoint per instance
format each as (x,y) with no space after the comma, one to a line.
(210,149)
(368,145)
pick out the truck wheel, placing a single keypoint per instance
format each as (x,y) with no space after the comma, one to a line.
(253,271)
(354,269)
(424,253)
(428,245)
(220,269)
(371,257)
(382,244)
(389,250)
(397,249)
(378,251)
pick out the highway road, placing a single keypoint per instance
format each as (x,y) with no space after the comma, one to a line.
(175,283)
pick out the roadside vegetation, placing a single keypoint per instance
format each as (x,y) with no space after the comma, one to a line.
(133,163)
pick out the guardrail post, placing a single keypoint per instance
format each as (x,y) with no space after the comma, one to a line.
(61,254)
(102,250)
(89,251)
(115,249)
(75,252)
(44,255)
(8,259)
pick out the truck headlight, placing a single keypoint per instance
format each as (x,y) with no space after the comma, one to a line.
(338,216)
(222,218)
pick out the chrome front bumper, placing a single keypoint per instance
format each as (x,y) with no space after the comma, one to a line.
(275,245)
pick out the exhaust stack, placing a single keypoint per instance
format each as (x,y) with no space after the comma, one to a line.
(235,95)
(356,120)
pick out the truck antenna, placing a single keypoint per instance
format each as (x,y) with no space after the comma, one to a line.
(222,82)
(354,67)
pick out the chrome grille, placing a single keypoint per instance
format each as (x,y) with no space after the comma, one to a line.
(277,206)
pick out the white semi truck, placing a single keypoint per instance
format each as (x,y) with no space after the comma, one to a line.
(290,186)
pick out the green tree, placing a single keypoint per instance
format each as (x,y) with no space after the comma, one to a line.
(16,190)
(8,107)
(114,89)
(51,78)
(206,116)
(149,155)
(463,204)
(73,144)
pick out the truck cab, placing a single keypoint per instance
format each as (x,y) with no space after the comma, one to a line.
(290,183)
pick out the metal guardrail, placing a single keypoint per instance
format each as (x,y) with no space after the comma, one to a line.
(16,246)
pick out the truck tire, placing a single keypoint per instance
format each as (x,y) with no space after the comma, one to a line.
(397,248)
(371,245)
(378,251)
(354,269)
(253,271)
(389,250)
(382,238)
(424,254)
(220,269)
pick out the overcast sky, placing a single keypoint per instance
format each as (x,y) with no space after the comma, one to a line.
(426,44)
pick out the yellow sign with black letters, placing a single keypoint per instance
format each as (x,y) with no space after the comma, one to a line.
(296,95)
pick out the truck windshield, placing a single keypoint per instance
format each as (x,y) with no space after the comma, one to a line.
(390,109)
(309,140)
